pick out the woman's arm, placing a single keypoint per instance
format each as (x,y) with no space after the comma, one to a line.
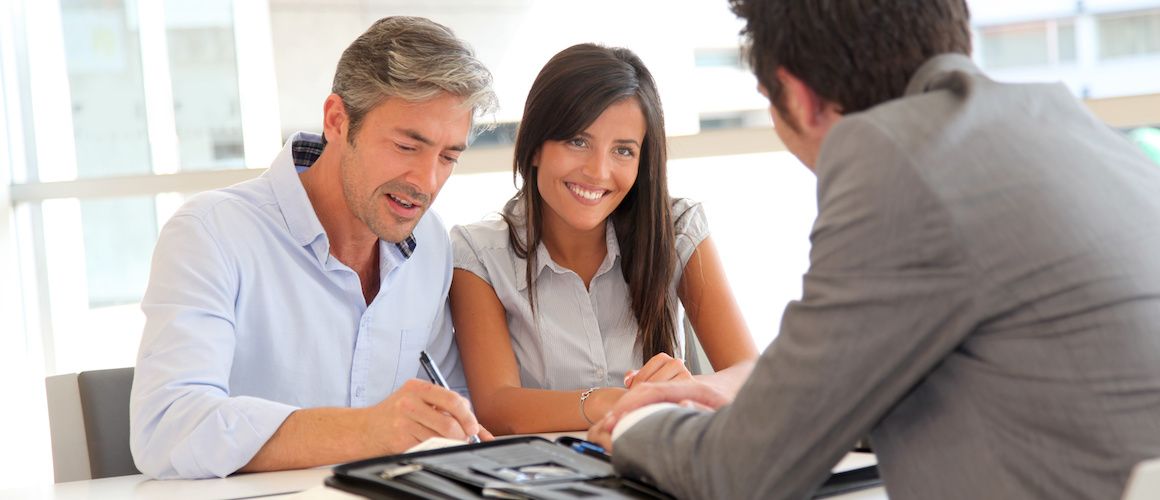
(713,312)
(501,403)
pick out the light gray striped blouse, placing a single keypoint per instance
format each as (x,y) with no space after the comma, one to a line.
(584,338)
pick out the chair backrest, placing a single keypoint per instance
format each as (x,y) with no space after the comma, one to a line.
(695,359)
(89,422)
(70,453)
(1144,483)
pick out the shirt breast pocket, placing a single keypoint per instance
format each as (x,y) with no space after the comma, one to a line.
(412,341)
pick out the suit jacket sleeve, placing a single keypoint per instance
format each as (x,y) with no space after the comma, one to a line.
(887,295)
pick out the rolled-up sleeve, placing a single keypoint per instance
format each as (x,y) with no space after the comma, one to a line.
(183,422)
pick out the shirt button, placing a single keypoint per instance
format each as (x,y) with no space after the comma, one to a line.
(358,393)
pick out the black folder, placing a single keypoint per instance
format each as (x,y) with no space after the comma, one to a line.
(523,467)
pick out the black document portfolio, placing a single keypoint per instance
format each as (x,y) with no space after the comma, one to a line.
(522,468)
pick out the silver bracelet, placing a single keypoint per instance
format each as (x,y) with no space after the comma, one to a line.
(583,396)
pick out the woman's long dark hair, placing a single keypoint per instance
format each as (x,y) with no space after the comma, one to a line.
(570,93)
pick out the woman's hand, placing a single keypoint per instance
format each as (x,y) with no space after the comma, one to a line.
(661,368)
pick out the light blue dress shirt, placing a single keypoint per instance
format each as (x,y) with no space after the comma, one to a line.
(249,317)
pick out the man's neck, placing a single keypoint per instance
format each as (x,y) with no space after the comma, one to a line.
(351,241)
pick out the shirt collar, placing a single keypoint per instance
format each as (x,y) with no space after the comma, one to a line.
(300,152)
(939,71)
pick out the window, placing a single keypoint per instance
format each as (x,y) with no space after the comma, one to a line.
(498,134)
(1038,43)
(1066,42)
(1014,46)
(106,88)
(715,58)
(761,209)
(759,118)
(1129,35)
(152,88)
(99,97)
(204,75)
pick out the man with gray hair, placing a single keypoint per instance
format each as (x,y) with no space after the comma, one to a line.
(285,315)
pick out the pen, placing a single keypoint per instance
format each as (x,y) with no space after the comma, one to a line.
(583,447)
(437,378)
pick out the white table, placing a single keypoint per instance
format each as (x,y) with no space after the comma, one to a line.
(138,486)
(266,485)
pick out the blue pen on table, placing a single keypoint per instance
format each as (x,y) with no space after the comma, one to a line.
(437,378)
(583,447)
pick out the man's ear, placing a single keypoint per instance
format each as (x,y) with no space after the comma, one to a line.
(334,119)
(810,110)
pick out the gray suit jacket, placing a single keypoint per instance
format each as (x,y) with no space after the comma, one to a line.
(983,298)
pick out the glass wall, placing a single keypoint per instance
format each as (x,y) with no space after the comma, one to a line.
(1098,48)
(1018,45)
(1129,35)
(152,89)
(106,89)
(203,68)
(1028,44)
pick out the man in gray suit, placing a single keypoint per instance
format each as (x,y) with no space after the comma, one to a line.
(983,297)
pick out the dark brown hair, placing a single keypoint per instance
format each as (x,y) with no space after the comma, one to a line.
(854,53)
(570,93)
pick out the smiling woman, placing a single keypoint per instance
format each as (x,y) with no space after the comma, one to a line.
(584,179)
(573,294)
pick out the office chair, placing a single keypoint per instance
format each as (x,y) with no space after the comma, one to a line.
(88,417)
(695,359)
